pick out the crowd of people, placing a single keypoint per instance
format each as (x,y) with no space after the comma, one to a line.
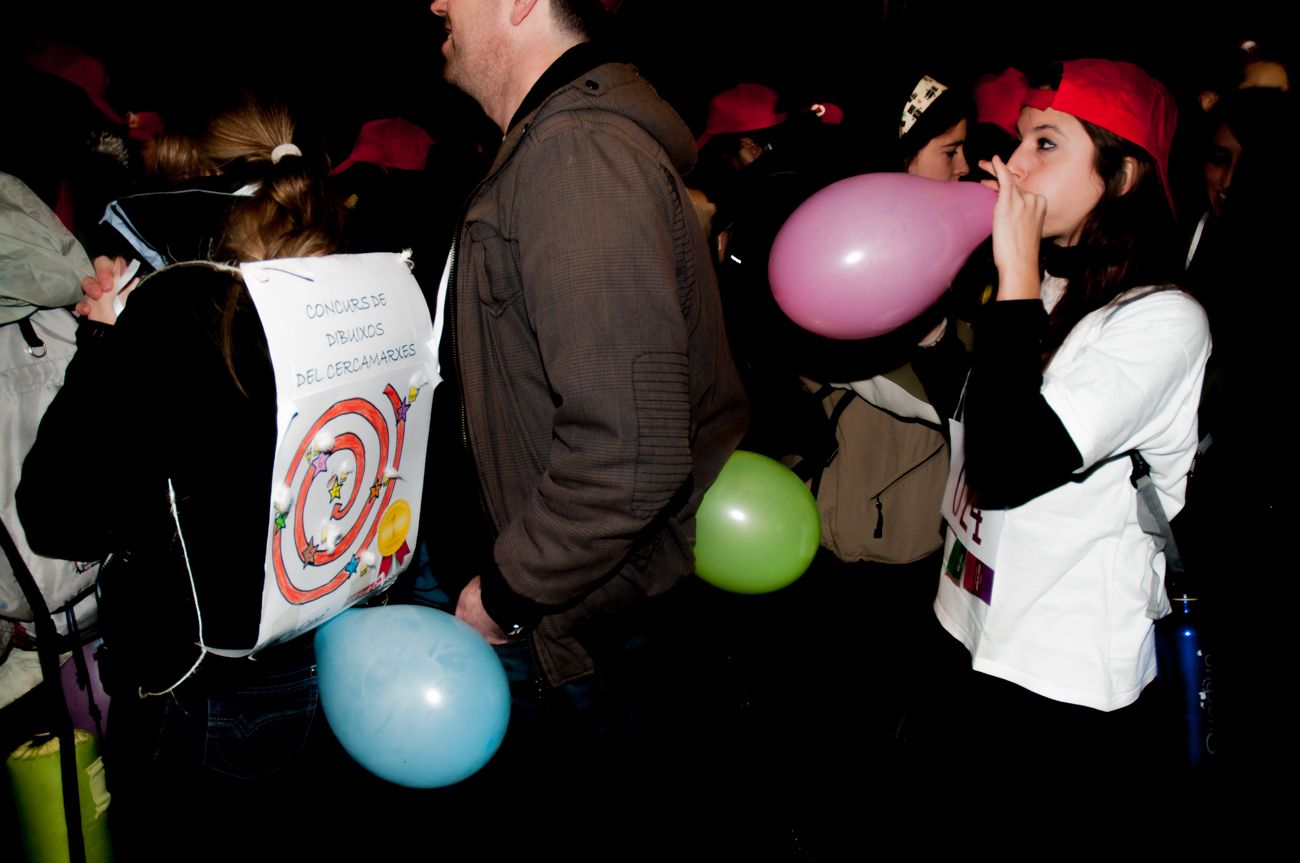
(977,637)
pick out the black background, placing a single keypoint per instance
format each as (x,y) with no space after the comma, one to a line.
(381,58)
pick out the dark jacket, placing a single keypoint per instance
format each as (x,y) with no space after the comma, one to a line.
(146,402)
(600,397)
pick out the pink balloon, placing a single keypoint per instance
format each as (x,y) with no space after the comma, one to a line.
(866,255)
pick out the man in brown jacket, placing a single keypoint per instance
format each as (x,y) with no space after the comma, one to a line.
(582,341)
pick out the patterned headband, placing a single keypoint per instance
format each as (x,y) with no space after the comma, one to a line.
(923,95)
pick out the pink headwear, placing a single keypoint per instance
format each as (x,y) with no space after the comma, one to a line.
(751,108)
(390,143)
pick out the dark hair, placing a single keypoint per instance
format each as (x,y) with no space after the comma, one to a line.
(717,161)
(877,124)
(1128,240)
(949,109)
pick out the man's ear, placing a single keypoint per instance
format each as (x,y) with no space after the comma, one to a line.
(1130,172)
(520,10)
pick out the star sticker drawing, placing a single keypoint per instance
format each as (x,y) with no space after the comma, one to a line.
(308,552)
(348,437)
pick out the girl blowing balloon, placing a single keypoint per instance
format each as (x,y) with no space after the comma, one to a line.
(1088,355)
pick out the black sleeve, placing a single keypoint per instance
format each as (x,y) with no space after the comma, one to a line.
(507,608)
(56,511)
(1016,446)
(942,371)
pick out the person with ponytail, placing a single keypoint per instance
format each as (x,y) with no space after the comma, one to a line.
(181,394)
(1089,361)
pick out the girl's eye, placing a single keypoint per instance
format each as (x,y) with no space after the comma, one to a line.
(1046,144)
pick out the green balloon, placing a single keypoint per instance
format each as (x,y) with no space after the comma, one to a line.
(757,528)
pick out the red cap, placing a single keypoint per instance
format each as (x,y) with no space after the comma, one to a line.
(743,108)
(998,99)
(390,143)
(1120,98)
(828,112)
(751,108)
(76,67)
(144,125)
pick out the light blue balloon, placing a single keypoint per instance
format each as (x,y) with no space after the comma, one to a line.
(415,695)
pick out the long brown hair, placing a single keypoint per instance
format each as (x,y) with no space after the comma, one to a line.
(1129,240)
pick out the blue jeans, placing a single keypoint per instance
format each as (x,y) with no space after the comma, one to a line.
(247,732)
(231,745)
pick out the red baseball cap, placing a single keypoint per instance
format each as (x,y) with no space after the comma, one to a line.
(390,143)
(1120,98)
(752,108)
(828,112)
(998,99)
(77,67)
(743,108)
(144,125)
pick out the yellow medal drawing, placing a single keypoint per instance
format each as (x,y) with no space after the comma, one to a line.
(394,527)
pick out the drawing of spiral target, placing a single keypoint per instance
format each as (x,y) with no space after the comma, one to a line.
(338,496)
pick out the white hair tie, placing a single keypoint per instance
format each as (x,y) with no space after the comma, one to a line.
(284,150)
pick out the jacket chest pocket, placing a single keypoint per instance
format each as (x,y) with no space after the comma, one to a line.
(493,260)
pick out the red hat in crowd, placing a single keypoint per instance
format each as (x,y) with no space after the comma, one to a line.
(998,99)
(1120,98)
(76,67)
(743,108)
(390,143)
(752,108)
(829,113)
(144,125)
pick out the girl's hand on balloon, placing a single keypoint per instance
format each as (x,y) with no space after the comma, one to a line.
(1017,233)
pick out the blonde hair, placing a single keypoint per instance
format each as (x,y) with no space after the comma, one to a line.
(179,157)
(291,215)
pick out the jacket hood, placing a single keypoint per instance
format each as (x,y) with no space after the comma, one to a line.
(619,88)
